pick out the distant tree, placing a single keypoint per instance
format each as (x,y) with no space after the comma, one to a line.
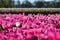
(38,4)
(3,3)
(26,4)
(6,3)
(18,4)
(51,4)
(58,4)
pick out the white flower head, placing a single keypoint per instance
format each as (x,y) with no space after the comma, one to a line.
(17,24)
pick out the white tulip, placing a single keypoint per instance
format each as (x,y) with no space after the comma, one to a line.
(17,24)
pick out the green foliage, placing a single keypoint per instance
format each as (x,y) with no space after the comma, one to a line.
(5,3)
(0,27)
(32,10)
(42,11)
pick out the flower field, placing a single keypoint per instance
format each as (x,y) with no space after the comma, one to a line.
(29,27)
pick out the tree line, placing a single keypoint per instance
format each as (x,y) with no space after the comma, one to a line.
(28,4)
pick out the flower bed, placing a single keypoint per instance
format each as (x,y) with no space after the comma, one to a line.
(29,27)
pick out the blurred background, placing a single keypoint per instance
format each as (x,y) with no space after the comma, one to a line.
(29,3)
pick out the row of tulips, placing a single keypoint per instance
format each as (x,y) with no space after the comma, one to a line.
(29,27)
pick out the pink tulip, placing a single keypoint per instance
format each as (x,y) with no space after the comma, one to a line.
(51,36)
